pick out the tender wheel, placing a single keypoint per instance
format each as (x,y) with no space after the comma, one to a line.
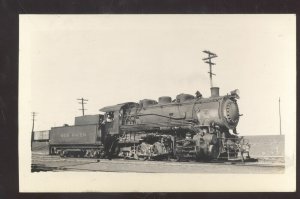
(62,154)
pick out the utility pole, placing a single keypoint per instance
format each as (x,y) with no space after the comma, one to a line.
(32,131)
(210,56)
(279,117)
(82,104)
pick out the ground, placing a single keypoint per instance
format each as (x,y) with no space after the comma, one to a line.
(44,162)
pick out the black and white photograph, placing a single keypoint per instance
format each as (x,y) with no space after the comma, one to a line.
(159,103)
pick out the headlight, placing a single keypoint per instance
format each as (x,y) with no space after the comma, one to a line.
(236,93)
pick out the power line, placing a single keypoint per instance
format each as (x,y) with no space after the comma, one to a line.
(279,117)
(33,119)
(208,61)
(32,131)
(82,104)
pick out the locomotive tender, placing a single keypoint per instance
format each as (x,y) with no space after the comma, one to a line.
(187,127)
(82,139)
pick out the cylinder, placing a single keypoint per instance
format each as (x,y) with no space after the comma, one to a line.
(214,91)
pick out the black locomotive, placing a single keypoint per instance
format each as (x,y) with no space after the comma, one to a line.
(188,127)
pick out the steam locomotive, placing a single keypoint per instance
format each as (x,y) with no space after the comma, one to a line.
(188,127)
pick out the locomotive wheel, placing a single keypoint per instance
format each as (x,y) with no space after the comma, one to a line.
(213,152)
(168,157)
(178,158)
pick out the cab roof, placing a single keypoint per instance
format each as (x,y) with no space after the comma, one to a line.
(116,107)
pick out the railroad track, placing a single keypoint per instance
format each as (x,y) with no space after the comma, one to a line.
(43,162)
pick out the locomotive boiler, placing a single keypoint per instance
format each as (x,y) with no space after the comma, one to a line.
(188,127)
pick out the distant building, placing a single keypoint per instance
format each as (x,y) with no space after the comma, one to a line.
(41,136)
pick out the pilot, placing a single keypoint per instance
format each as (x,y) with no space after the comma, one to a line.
(198,94)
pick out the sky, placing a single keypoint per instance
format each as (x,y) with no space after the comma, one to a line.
(111,59)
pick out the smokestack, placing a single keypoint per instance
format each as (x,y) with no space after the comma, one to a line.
(214,91)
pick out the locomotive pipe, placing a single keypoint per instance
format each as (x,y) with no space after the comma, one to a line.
(214,91)
(168,128)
